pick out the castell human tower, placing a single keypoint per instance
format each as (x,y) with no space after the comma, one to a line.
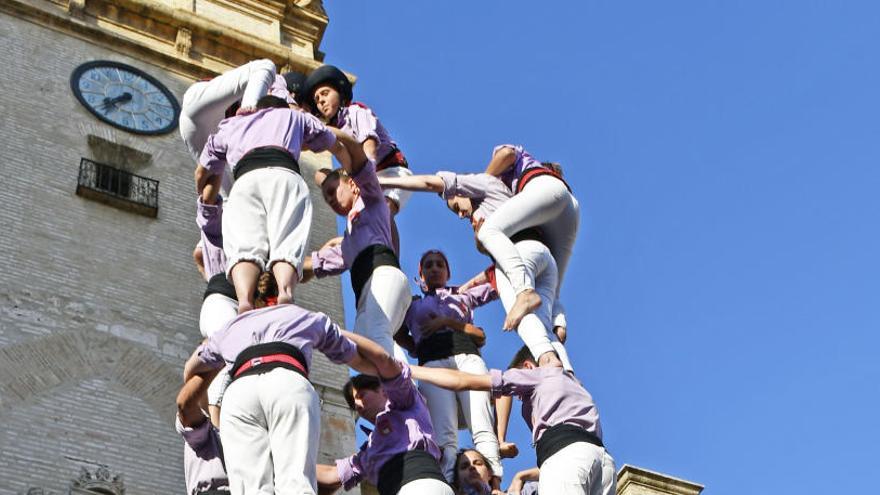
(99,295)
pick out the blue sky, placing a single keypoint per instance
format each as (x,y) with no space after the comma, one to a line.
(724,289)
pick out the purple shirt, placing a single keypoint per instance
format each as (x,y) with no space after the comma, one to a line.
(361,123)
(282,323)
(550,396)
(279,89)
(402,426)
(209,220)
(486,192)
(278,127)
(523,162)
(369,222)
(446,303)
(202,458)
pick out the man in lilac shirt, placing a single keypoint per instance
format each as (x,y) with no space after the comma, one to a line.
(381,290)
(203,464)
(268,213)
(270,421)
(399,456)
(561,414)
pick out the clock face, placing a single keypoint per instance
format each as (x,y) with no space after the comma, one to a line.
(125,97)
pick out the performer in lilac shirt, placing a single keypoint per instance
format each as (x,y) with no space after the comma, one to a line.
(203,466)
(561,414)
(269,212)
(381,290)
(438,329)
(329,93)
(399,456)
(270,421)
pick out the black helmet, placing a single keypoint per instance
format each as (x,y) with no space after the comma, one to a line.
(295,81)
(326,74)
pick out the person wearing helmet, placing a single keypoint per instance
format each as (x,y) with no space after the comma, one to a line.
(328,93)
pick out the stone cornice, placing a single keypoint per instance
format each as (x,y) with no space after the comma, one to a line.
(636,480)
(171,34)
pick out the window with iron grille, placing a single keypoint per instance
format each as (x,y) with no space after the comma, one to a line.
(117,187)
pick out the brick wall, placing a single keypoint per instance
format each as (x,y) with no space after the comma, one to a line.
(99,306)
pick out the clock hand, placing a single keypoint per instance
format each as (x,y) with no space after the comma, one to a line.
(124,97)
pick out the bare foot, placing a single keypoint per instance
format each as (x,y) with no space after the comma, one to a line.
(508,450)
(244,307)
(284,298)
(561,333)
(526,302)
(549,360)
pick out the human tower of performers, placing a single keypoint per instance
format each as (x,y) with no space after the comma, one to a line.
(247,384)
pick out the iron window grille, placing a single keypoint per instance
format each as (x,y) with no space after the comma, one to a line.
(117,187)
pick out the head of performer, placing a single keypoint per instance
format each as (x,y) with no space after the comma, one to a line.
(461,206)
(434,269)
(365,396)
(339,190)
(523,359)
(326,90)
(472,473)
(295,82)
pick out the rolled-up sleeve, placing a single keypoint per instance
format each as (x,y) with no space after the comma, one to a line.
(213,157)
(401,391)
(209,219)
(337,347)
(480,295)
(328,261)
(363,123)
(514,381)
(472,186)
(209,354)
(316,136)
(350,470)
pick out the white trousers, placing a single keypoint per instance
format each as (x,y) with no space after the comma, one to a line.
(579,469)
(443,406)
(425,487)
(267,219)
(399,196)
(217,311)
(535,329)
(380,310)
(270,425)
(546,203)
(205,102)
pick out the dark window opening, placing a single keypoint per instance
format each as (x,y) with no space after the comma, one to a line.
(117,187)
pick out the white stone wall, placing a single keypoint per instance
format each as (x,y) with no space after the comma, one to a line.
(99,306)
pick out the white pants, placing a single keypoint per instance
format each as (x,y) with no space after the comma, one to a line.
(205,102)
(535,329)
(579,469)
(443,406)
(380,310)
(267,219)
(425,487)
(217,311)
(399,196)
(546,203)
(270,426)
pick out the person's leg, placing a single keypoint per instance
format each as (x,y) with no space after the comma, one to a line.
(216,390)
(572,470)
(560,236)
(294,418)
(217,310)
(425,487)
(608,483)
(530,329)
(244,237)
(443,409)
(396,199)
(245,438)
(288,222)
(384,300)
(541,266)
(478,413)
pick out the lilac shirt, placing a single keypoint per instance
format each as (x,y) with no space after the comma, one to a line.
(523,162)
(446,302)
(369,222)
(279,127)
(550,396)
(209,219)
(402,426)
(361,123)
(202,461)
(486,192)
(283,323)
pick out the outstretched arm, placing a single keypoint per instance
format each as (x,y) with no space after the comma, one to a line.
(452,379)
(502,160)
(422,183)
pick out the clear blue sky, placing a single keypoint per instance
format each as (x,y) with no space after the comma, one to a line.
(723,294)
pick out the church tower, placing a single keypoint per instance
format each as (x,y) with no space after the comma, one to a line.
(99,295)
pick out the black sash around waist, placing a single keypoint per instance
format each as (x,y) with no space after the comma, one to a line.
(267,349)
(219,284)
(369,259)
(441,345)
(559,436)
(405,467)
(262,157)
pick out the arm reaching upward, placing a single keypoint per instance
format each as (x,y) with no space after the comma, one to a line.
(355,151)
(452,379)
(421,183)
(189,398)
(502,160)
